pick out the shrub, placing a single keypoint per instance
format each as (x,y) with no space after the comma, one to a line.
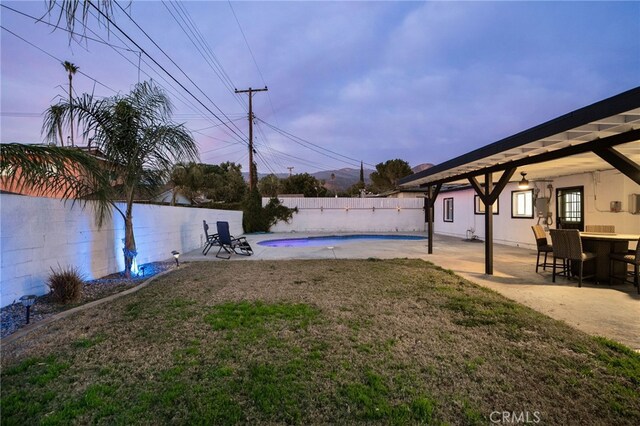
(65,284)
(260,219)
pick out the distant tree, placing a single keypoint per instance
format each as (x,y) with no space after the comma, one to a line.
(387,174)
(188,180)
(224,182)
(354,190)
(304,184)
(71,69)
(56,121)
(270,186)
(362,173)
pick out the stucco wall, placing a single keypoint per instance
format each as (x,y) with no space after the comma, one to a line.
(599,190)
(353,215)
(40,233)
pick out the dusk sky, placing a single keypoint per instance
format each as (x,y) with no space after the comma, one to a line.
(372,81)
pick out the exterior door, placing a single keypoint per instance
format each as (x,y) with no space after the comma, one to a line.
(570,208)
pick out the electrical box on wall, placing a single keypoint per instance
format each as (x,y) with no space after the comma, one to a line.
(634,203)
(542,206)
(615,206)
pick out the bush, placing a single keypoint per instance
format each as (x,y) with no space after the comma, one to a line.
(256,218)
(65,284)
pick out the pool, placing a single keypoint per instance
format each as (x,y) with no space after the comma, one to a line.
(333,240)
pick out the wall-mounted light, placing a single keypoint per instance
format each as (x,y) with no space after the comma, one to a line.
(176,255)
(524,183)
(27,301)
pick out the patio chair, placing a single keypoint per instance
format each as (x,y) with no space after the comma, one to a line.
(543,246)
(230,244)
(567,246)
(210,240)
(630,258)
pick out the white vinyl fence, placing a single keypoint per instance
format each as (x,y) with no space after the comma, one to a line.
(353,215)
(40,233)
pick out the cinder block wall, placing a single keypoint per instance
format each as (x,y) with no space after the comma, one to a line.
(37,234)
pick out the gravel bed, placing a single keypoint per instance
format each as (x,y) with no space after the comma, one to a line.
(13,317)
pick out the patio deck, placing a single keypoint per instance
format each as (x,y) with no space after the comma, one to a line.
(609,311)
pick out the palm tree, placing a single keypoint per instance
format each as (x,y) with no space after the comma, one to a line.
(56,124)
(135,135)
(45,170)
(68,10)
(71,69)
(188,180)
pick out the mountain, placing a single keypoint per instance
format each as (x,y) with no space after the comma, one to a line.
(344,178)
(421,167)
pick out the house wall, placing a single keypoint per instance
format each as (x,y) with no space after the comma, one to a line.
(37,234)
(353,215)
(599,190)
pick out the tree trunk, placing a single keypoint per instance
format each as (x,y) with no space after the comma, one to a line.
(71,106)
(129,250)
(60,132)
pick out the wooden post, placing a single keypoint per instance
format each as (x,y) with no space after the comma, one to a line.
(488,225)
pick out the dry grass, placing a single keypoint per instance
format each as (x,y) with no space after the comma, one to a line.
(340,341)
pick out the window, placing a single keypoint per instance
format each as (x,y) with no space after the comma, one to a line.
(570,211)
(447,209)
(479,206)
(522,204)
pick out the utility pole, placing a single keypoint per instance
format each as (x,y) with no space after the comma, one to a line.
(252,178)
(290,171)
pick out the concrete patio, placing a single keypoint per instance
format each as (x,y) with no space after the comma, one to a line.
(609,311)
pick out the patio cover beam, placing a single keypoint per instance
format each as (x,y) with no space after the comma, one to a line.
(620,162)
(488,224)
(429,203)
(593,146)
(598,112)
(488,195)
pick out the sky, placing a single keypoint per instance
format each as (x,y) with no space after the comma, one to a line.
(348,81)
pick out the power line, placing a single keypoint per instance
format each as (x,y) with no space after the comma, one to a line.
(106,17)
(57,27)
(197,43)
(57,59)
(304,143)
(173,62)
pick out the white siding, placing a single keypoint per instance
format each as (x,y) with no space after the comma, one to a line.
(612,186)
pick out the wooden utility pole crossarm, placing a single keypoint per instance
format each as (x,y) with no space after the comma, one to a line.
(252,172)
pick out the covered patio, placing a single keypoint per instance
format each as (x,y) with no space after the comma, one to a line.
(599,137)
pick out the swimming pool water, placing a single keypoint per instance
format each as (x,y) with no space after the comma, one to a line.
(333,240)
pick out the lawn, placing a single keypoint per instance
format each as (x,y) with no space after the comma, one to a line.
(328,341)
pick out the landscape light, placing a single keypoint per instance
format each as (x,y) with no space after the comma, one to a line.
(141,271)
(176,255)
(524,183)
(27,301)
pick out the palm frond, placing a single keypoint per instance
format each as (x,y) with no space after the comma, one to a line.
(67,173)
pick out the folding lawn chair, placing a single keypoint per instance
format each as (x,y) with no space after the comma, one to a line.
(230,244)
(211,240)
